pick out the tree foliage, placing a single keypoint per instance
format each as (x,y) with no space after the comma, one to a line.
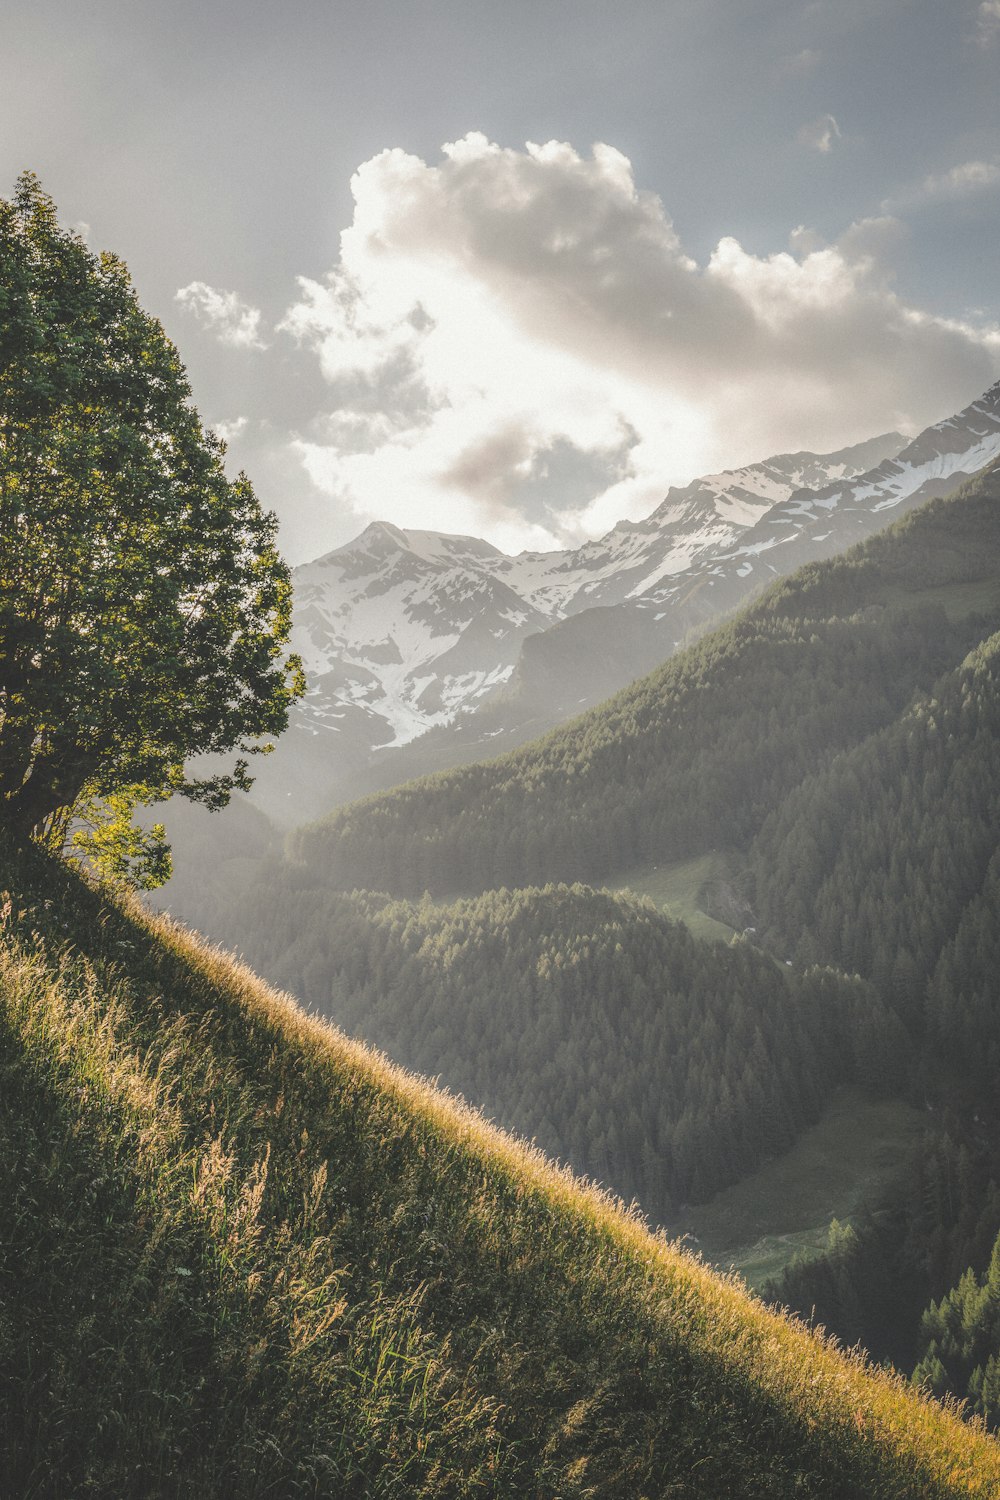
(143,604)
(960,1342)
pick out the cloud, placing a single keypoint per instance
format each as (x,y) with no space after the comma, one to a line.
(229,431)
(518,342)
(519,469)
(967,180)
(988,23)
(234,321)
(970,177)
(819,134)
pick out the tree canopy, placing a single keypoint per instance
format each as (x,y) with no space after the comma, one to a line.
(144,608)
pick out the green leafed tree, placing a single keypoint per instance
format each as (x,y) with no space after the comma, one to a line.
(144,608)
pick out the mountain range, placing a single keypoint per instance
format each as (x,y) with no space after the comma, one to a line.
(810,772)
(424,650)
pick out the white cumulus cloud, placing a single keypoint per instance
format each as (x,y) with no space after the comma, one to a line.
(517,342)
(234,321)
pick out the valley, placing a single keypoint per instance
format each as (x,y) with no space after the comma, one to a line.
(500,752)
(699,892)
(857,1151)
(872,670)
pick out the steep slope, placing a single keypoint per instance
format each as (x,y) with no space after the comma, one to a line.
(407,632)
(244,1256)
(698,754)
(663,1065)
(427,651)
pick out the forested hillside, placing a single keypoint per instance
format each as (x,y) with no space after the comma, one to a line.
(646,1058)
(701,752)
(873,863)
(839,739)
(244,1256)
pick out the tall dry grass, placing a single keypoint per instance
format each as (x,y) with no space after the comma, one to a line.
(241,1255)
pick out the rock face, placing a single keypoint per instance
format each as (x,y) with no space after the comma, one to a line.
(424,650)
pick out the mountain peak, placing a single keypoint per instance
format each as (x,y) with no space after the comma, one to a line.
(407,630)
(379,531)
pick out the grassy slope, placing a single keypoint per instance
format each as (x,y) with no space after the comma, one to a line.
(678,889)
(241,1255)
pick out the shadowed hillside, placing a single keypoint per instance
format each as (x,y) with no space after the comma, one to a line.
(246,1256)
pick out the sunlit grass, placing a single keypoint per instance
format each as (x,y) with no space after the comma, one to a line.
(243,1255)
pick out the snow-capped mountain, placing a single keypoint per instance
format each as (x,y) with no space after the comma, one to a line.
(818,521)
(410,627)
(405,628)
(423,650)
(693,523)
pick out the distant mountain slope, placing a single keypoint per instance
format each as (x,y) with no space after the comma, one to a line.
(409,637)
(820,522)
(427,651)
(696,755)
(412,626)
(871,863)
(584,660)
(244,1256)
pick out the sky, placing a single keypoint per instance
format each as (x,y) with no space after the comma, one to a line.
(513,269)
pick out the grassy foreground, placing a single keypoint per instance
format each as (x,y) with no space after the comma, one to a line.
(241,1255)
